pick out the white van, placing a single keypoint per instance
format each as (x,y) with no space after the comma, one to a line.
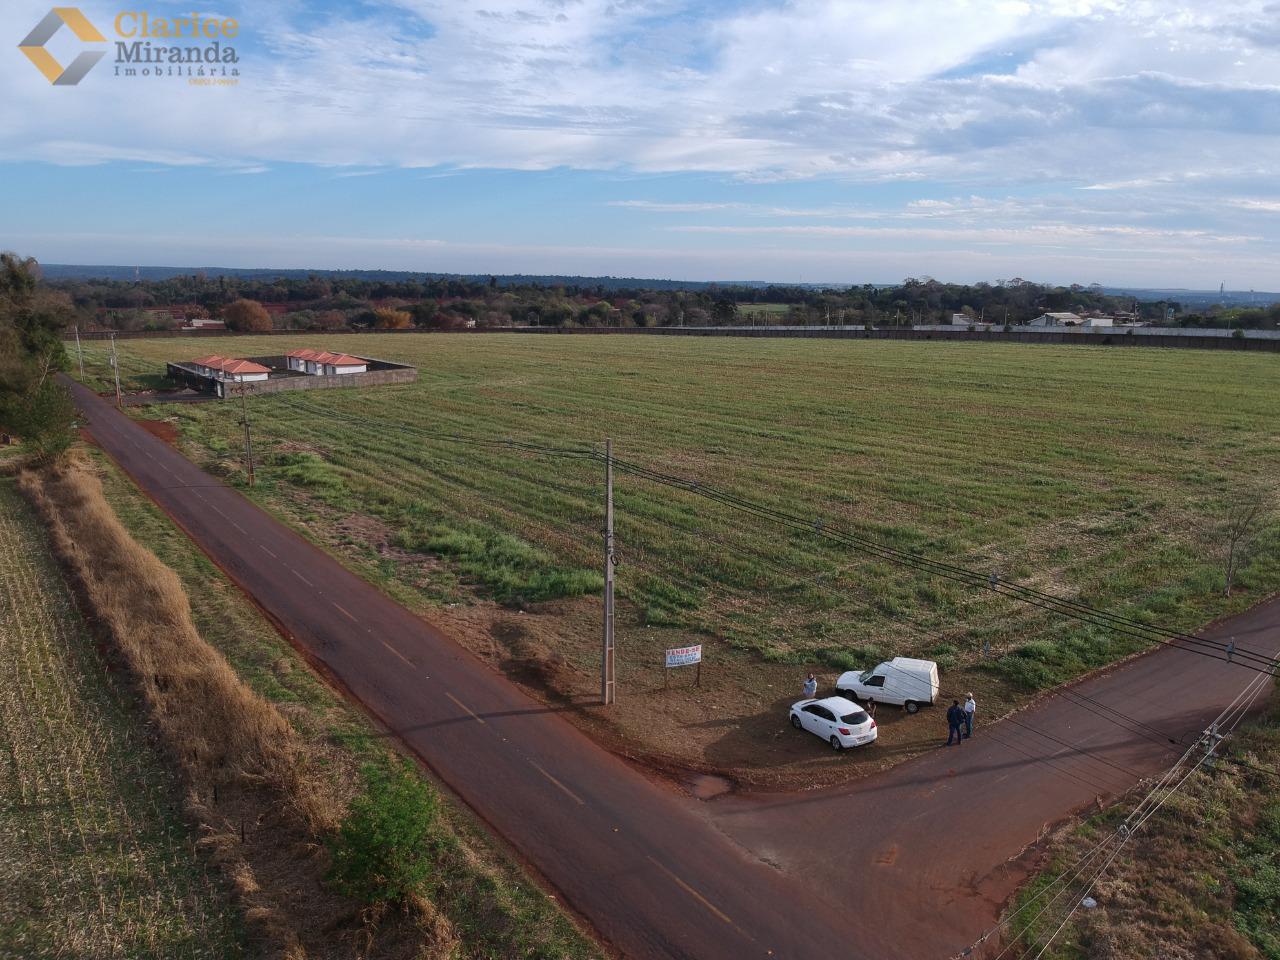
(902,681)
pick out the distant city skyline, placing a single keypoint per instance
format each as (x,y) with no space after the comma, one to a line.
(1067,142)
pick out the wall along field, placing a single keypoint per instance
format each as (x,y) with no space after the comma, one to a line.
(1106,474)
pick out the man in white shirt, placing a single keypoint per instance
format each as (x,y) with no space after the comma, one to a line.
(970,705)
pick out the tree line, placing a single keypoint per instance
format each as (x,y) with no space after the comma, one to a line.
(34,407)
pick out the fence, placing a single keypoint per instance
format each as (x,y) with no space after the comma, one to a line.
(1196,338)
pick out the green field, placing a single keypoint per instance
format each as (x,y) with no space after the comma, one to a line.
(1100,473)
(95,858)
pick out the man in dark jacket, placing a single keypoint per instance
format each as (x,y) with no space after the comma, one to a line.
(955,721)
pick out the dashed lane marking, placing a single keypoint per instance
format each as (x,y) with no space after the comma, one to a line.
(396,652)
(301,577)
(573,795)
(694,893)
(474,715)
(343,610)
(270,554)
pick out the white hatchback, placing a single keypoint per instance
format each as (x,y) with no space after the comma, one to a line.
(840,722)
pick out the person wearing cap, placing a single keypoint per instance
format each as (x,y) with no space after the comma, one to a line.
(970,705)
(810,686)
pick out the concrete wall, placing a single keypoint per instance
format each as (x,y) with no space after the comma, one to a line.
(371,378)
(1215,340)
(384,373)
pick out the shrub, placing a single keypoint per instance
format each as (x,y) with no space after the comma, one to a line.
(381,851)
(247,315)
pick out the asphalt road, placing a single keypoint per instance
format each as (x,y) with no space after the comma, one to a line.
(911,864)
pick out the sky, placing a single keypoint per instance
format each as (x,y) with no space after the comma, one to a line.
(1123,143)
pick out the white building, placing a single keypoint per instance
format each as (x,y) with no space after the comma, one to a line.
(238,371)
(319,363)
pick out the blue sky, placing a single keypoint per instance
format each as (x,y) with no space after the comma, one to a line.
(1068,141)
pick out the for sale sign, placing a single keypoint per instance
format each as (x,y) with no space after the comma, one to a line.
(684,656)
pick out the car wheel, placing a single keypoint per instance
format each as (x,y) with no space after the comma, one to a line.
(795,721)
(835,743)
(911,706)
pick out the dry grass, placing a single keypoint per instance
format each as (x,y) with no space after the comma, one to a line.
(1200,880)
(252,788)
(95,860)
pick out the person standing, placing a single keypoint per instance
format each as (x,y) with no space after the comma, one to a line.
(955,720)
(810,686)
(970,705)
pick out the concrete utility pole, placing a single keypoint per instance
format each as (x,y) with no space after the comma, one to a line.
(80,351)
(115,368)
(248,441)
(607,692)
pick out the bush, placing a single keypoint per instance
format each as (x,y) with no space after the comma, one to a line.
(246,315)
(382,850)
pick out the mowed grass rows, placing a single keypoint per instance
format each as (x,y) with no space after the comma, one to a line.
(1103,473)
(95,859)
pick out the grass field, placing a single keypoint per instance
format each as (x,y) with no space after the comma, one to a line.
(1100,473)
(96,860)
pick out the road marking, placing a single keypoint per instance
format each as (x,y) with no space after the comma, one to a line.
(693,893)
(343,611)
(557,783)
(267,552)
(474,715)
(301,577)
(392,649)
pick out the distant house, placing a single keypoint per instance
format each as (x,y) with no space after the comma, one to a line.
(961,319)
(320,363)
(1097,322)
(222,368)
(203,323)
(1056,320)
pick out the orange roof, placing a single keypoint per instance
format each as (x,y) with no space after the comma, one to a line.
(304,353)
(243,366)
(324,356)
(213,360)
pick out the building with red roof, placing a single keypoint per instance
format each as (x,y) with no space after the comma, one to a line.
(321,363)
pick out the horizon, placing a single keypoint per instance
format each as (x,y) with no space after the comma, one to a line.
(1120,144)
(80,271)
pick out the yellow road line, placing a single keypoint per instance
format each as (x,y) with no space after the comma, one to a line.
(558,783)
(694,893)
(397,653)
(474,715)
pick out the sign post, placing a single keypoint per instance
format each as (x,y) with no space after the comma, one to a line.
(684,657)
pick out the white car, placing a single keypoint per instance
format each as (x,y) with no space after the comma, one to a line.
(840,722)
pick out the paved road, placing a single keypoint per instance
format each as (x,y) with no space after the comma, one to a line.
(912,864)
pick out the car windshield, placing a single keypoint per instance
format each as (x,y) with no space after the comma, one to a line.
(855,718)
(866,675)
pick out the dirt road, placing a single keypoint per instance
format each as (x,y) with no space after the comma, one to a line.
(913,864)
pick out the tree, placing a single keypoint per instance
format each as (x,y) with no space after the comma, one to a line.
(1243,522)
(33,405)
(246,315)
(384,318)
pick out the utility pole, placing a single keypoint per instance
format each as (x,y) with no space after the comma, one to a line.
(248,441)
(607,692)
(80,351)
(115,368)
